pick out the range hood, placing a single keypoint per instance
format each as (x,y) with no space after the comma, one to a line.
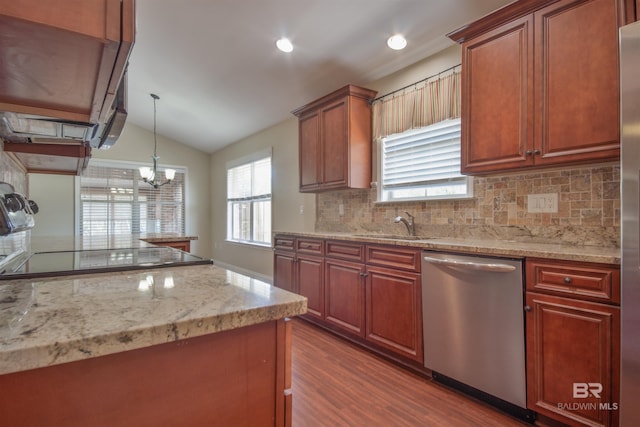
(18,127)
(30,128)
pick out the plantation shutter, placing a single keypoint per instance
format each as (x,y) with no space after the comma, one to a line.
(116,201)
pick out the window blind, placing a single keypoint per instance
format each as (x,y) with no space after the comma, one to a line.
(425,156)
(249,202)
(250,181)
(115,201)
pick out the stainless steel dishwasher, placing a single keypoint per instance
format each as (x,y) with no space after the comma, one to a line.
(473,315)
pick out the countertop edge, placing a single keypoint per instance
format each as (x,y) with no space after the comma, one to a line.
(516,249)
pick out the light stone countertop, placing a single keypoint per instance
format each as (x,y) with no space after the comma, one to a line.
(55,320)
(492,247)
(166,237)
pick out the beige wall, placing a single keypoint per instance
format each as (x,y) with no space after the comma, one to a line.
(55,194)
(428,67)
(287,202)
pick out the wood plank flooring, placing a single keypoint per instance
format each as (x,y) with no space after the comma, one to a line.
(336,384)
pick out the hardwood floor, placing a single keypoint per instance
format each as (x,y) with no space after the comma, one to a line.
(336,383)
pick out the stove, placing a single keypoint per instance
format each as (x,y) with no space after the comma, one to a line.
(63,263)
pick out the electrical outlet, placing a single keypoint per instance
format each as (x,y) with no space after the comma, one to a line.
(301,209)
(341,209)
(542,203)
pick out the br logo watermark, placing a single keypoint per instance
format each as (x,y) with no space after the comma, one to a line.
(585,391)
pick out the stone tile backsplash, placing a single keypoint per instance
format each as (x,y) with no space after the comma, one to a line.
(588,209)
(12,173)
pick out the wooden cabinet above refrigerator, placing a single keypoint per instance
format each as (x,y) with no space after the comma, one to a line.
(540,84)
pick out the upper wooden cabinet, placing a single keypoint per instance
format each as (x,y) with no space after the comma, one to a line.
(64,58)
(335,140)
(540,84)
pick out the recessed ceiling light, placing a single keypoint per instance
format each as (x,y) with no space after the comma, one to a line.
(284,44)
(397,42)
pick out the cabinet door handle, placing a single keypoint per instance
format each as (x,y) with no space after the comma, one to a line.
(527,308)
(567,280)
(363,274)
(528,153)
(536,152)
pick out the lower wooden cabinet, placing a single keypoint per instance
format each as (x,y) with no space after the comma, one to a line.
(309,272)
(573,341)
(369,293)
(344,295)
(284,273)
(394,311)
(183,245)
(572,354)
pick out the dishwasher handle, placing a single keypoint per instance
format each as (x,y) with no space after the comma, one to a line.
(498,268)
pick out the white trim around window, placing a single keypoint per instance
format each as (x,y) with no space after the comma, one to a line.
(422,164)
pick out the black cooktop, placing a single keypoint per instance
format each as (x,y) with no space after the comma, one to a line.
(62,263)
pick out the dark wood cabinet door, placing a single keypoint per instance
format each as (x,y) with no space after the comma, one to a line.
(497,99)
(309,128)
(344,295)
(394,311)
(284,275)
(183,245)
(572,356)
(335,140)
(310,280)
(577,83)
(335,143)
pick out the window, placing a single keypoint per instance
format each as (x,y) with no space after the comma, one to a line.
(249,200)
(113,200)
(422,164)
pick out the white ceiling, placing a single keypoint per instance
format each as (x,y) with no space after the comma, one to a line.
(220,78)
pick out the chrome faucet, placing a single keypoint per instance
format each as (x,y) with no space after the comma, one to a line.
(411,227)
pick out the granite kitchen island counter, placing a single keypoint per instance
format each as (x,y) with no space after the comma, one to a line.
(65,322)
(55,320)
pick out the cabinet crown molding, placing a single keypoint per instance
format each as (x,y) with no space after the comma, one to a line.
(497,18)
(348,90)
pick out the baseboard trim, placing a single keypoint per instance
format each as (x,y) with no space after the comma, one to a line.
(246,272)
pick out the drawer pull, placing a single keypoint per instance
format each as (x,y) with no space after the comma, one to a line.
(567,280)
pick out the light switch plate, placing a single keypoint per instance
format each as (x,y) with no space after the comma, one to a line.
(542,203)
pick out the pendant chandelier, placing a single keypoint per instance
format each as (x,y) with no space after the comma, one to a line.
(149,174)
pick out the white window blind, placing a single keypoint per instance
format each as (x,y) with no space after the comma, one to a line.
(249,202)
(113,200)
(423,163)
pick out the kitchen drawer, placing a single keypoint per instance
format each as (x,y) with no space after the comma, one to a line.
(394,257)
(578,280)
(350,251)
(309,246)
(284,243)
